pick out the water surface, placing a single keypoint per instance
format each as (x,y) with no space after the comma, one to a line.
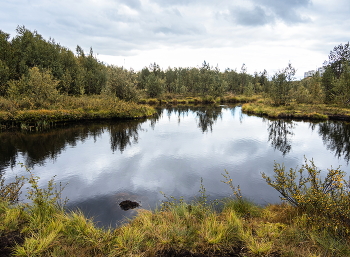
(108,162)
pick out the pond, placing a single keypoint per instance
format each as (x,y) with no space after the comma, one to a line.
(108,162)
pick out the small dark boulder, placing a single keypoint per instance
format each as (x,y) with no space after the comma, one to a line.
(127,205)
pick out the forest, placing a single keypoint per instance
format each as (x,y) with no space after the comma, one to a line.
(41,71)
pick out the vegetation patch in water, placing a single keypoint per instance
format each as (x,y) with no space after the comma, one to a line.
(298,111)
(69,108)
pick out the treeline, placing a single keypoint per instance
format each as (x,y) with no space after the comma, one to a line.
(41,70)
(33,66)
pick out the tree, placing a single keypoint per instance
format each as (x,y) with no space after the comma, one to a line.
(4,76)
(232,78)
(95,74)
(30,50)
(338,57)
(335,79)
(154,85)
(38,86)
(143,74)
(342,85)
(281,85)
(328,84)
(309,90)
(264,81)
(122,83)
(5,57)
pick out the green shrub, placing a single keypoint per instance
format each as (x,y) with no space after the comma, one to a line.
(38,87)
(9,192)
(122,83)
(325,201)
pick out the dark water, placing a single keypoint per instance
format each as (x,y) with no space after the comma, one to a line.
(106,163)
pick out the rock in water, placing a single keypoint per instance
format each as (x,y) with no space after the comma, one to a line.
(127,205)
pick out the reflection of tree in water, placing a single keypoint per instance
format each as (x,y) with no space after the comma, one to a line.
(181,112)
(124,134)
(37,147)
(280,132)
(336,136)
(207,117)
(8,153)
(155,118)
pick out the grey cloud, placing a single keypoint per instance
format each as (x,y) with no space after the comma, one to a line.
(251,17)
(278,4)
(286,10)
(175,30)
(134,4)
(174,2)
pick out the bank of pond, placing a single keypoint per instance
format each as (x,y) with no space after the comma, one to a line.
(232,226)
(23,114)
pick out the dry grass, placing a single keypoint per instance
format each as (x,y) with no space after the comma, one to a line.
(298,111)
(69,108)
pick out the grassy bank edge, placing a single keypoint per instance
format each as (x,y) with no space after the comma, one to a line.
(232,226)
(259,106)
(240,228)
(70,109)
(315,112)
(170,100)
(43,118)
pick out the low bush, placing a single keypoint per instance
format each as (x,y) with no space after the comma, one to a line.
(324,200)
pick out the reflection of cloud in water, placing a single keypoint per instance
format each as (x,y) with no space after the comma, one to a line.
(167,156)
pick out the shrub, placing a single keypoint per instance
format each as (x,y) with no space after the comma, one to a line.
(38,87)
(122,83)
(9,192)
(325,201)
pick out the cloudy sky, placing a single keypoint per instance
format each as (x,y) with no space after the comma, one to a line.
(263,34)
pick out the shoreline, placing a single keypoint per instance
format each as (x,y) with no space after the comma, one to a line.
(298,112)
(46,118)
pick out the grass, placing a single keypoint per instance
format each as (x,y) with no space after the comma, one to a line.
(258,105)
(233,226)
(29,114)
(171,99)
(298,111)
(276,230)
(22,113)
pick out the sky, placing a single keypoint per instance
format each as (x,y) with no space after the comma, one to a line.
(262,34)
